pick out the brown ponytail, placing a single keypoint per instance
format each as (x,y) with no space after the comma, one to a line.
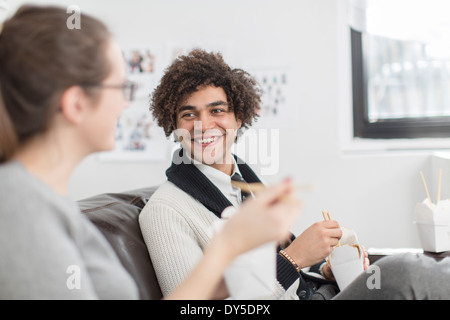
(40,57)
(8,138)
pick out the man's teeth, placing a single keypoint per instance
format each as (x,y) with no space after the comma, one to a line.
(207,140)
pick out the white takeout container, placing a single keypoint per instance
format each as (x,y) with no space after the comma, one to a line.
(347,259)
(251,275)
(347,263)
(433,225)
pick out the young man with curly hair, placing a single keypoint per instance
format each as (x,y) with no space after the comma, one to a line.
(207,104)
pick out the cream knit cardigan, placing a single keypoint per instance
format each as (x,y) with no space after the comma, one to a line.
(176,228)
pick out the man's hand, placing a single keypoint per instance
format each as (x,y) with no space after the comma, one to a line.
(315,243)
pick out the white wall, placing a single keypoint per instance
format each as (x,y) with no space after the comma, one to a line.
(363,186)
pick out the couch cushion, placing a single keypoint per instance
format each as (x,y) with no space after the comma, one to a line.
(116,215)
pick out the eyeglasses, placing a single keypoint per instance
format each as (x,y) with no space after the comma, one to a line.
(128,88)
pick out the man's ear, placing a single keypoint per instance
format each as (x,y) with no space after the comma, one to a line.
(238,131)
(73,104)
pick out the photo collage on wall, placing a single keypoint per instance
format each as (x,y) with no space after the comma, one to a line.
(138,137)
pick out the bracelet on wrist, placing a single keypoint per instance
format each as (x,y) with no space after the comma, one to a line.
(288,258)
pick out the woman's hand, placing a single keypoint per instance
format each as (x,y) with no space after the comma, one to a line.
(267,217)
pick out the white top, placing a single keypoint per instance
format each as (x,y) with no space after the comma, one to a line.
(48,249)
(222,181)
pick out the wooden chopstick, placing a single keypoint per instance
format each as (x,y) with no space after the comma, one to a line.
(326,217)
(256,186)
(426,188)
(248,187)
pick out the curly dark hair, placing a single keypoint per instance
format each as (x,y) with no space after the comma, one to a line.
(198,69)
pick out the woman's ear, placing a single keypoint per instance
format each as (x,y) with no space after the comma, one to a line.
(73,104)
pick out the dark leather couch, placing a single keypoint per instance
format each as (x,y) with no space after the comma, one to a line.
(116,215)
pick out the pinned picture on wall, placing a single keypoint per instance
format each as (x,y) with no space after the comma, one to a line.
(274,82)
(145,66)
(138,137)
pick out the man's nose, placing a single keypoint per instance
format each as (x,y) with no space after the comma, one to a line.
(207,121)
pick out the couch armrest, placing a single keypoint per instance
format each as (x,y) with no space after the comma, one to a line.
(116,215)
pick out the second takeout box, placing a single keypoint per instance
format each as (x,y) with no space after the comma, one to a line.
(433,225)
(347,259)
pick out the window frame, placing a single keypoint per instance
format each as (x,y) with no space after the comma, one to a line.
(399,128)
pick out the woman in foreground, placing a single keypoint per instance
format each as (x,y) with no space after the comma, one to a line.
(61,94)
